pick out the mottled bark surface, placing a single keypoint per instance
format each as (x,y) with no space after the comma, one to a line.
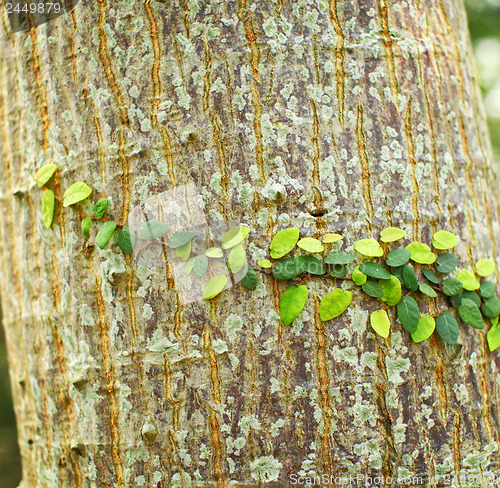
(330,116)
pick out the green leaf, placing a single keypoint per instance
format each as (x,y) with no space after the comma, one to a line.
(189,266)
(427,290)
(391,234)
(265,263)
(105,233)
(392,290)
(44,174)
(236,258)
(444,240)
(447,328)
(372,288)
(283,242)
(338,270)
(455,300)
(357,276)
(494,321)
(292,303)
(485,267)
(451,286)
(487,289)
(408,314)
(234,236)
(100,208)
(493,337)
(200,265)
(48,204)
(312,265)
(152,229)
(491,307)
(431,276)
(288,268)
(374,270)
(86,226)
(180,239)
(472,295)
(470,314)
(446,262)
(398,257)
(421,253)
(369,247)
(409,278)
(76,193)
(380,323)
(214,252)
(249,279)
(334,303)
(329,238)
(309,244)
(425,328)
(214,286)
(126,240)
(469,281)
(398,273)
(339,257)
(184,251)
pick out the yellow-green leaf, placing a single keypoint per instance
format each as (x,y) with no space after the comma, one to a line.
(48,202)
(184,251)
(214,287)
(330,238)
(292,303)
(425,328)
(310,244)
(334,303)
(77,192)
(44,174)
(391,234)
(421,253)
(392,290)
(265,263)
(358,277)
(485,267)
(369,247)
(493,337)
(469,281)
(443,239)
(236,258)
(234,236)
(380,322)
(105,233)
(214,252)
(283,242)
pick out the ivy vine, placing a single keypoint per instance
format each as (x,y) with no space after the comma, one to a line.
(397,277)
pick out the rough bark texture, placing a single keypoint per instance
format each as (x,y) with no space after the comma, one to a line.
(330,116)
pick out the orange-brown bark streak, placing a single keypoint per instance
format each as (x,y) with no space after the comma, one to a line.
(411,160)
(339,58)
(155,74)
(365,171)
(125,176)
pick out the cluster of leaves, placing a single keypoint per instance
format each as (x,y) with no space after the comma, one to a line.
(397,277)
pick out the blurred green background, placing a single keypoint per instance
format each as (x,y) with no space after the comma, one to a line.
(484,24)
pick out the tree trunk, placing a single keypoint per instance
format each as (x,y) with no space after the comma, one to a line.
(328,116)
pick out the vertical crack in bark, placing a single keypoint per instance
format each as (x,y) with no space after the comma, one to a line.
(208,71)
(456,446)
(170,156)
(339,58)
(439,372)
(318,201)
(156,62)
(125,176)
(411,160)
(224,178)
(98,132)
(131,307)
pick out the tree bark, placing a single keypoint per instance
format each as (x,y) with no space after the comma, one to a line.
(329,116)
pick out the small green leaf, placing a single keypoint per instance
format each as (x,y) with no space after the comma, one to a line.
(357,276)
(380,322)
(472,295)
(77,192)
(337,270)
(372,288)
(215,252)
(392,290)
(86,226)
(493,337)
(249,279)
(44,174)
(398,273)
(100,208)
(126,240)
(200,265)
(421,253)
(398,257)
(446,262)
(485,267)
(234,236)
(329,238)
(184,251)
(444,240)
(334,303)
(339,257)
(288,268)
(214,286)
(408,314)
(265,263)
(283,242)
(409,278)
(470,314)
(455,300)
(487,289)
(427,290)
(292,303)
(431,276)
(312,265)
(391,234)
(189,266)
(425,328)
(374,270)
(48,204)
(105,233)
(447,328)
(309,244)
(451,286)
(236,258)
(491,307)
(152,229)
(369,247)
(180,239)
(469,281)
